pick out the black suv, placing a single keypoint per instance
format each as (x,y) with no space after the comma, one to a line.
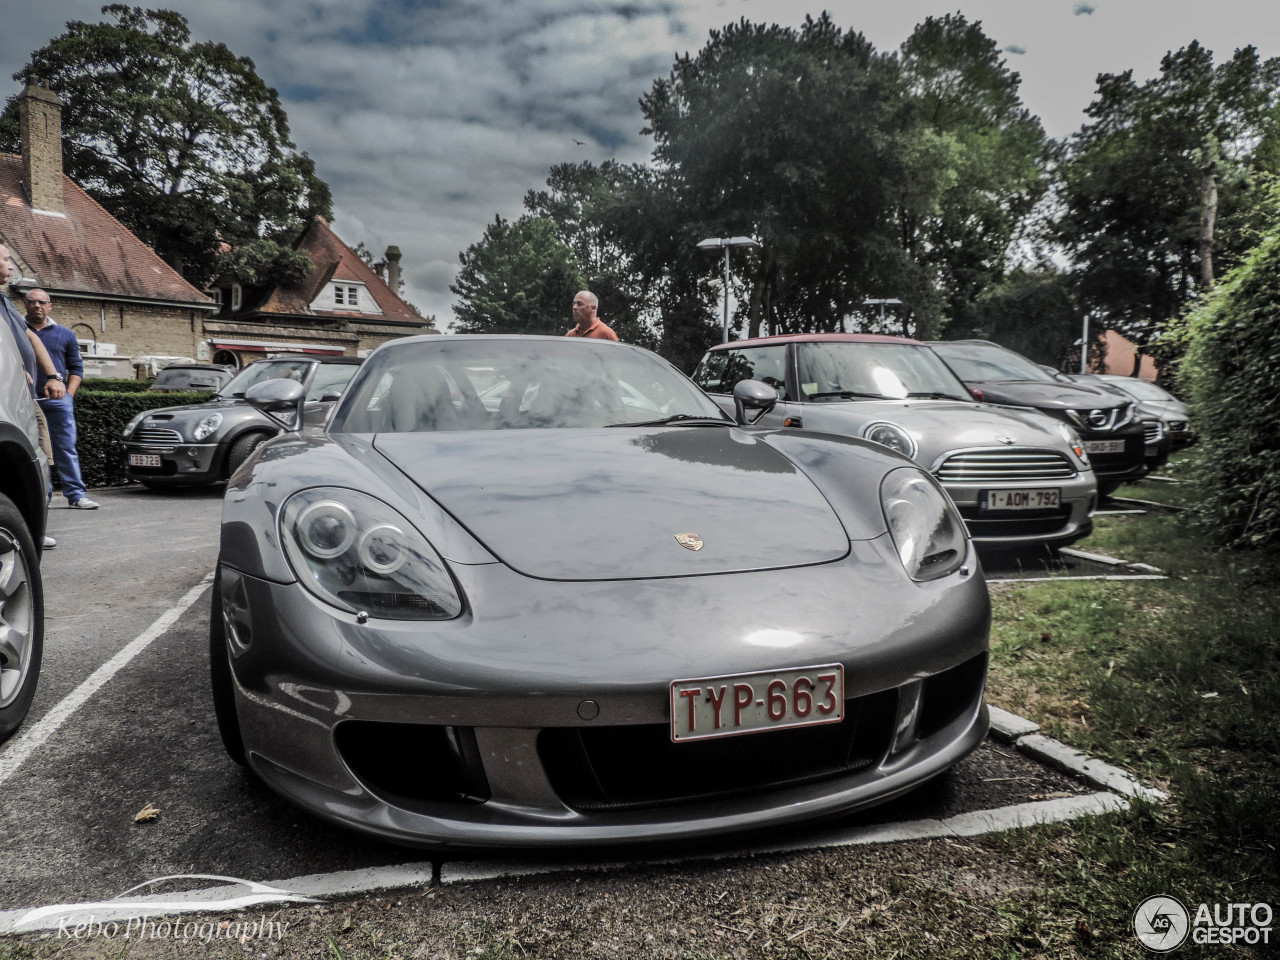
(24,482)
(1108,424)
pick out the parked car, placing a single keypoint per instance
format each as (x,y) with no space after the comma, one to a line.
(211,377)
(1171,411)
(1017,477)
(24,485)
(1113,436)
(203,443)
(555,623)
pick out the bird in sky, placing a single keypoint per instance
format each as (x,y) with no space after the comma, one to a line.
(581,143)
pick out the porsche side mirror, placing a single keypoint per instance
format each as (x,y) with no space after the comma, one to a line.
(754,396)
(281,399)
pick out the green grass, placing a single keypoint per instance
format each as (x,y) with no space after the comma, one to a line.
(1176,680)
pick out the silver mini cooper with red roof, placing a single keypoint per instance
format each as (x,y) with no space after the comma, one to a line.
(1018,478)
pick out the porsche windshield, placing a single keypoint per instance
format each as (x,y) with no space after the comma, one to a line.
(475,383)
(845,370)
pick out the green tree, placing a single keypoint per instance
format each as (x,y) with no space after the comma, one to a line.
(786,135)
(976,165)
(1030,310)
(181,141)
(1160,191)
(519,278)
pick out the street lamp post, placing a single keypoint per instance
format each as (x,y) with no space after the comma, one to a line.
(871,302)
(715,243)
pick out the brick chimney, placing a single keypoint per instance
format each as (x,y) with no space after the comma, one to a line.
(40,120)
(393,269)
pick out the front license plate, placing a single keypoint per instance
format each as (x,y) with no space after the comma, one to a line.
(1042,499)
(1104,446)
(753,702)
(144,460)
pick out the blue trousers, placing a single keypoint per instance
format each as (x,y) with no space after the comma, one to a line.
(61,415)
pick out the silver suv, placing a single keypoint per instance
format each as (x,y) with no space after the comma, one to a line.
(24,482)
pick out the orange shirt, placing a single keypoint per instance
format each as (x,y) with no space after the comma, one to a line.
(597,330)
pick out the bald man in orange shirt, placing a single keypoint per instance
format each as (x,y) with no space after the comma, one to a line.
(585,305)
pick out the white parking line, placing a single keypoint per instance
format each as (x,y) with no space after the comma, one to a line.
(17,750)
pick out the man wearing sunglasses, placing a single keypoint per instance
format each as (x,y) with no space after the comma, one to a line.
(65,352)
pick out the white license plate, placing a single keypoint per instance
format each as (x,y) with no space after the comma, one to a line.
(1042,499)
(753,702)
(1104,446)
(144,460)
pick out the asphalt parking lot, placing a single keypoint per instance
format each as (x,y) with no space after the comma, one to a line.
(123,721)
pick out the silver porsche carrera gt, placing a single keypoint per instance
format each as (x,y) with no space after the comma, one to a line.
(585,607)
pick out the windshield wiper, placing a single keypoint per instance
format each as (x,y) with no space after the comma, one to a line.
(686,419)
(932,395)
(847,395)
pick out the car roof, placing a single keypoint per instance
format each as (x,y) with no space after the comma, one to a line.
(319,358)
(196,366)
(817,338)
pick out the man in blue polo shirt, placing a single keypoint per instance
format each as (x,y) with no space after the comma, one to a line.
(65,352)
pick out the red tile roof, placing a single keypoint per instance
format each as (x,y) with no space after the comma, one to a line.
(86,251)
(334,260)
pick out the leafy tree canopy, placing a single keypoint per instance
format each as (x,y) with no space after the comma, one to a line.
(518,278)
(1161,190)
(180,141)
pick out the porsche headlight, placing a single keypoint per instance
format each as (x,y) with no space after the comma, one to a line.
(358,554)
(923,523)
(892,436)
(206,426)
(1075,443)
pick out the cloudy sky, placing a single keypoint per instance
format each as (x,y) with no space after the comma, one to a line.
(428,117)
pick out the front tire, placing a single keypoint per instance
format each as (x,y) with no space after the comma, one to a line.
(220,681)
(21,618)
(243,449)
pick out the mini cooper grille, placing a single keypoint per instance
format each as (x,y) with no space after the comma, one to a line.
(1005,466)
(156,435)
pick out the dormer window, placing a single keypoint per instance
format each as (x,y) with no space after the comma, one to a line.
(237,297)
(346,296)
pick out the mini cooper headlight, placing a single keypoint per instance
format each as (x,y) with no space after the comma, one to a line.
(206,426)
(129,427)
(358,554)
(892,436)
(1075,443)
(924,525)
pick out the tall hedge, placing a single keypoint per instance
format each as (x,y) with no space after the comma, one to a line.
(1232,373)
(101,416)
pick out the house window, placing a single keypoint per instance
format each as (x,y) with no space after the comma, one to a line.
(346,296)
(236,296)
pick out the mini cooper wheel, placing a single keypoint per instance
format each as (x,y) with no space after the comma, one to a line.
(21,618)
(243,449)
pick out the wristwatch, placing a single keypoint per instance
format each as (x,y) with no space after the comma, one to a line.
(54,376)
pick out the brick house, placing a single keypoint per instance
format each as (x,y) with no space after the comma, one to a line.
(108,286)
(343,306)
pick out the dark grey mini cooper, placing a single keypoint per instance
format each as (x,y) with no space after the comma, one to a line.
(206,442)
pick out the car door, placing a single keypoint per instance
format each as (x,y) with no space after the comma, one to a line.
(721,370)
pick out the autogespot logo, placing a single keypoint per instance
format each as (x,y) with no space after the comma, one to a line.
(1161,924)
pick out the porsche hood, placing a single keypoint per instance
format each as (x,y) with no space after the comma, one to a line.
(628,503)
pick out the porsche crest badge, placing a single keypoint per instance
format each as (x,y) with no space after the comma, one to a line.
(690,541)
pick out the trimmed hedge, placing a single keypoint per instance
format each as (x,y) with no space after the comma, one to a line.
(1232,373)
(109,385)
(102,415)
